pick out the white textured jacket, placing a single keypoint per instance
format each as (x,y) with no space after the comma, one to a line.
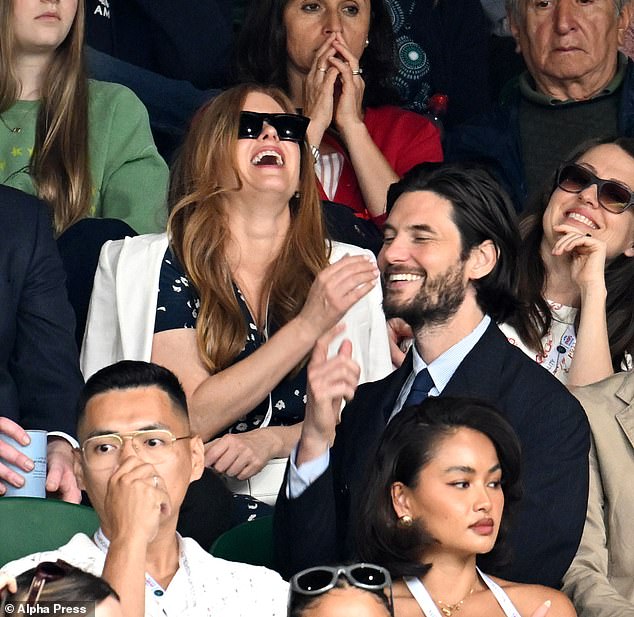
(122,311)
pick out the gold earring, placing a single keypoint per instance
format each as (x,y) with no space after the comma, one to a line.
(405,521)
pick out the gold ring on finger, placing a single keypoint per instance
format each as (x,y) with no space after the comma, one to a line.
(357,71)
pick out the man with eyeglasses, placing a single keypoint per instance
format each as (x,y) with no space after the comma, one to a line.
(136,460)
(577,87)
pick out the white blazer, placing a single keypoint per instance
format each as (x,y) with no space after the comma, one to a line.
(120,323)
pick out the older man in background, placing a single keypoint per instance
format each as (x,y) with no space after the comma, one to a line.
(577,86)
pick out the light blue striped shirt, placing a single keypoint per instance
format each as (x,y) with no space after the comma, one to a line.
(443,367)
(441,371)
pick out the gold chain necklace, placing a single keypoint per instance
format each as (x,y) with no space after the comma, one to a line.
(449,609)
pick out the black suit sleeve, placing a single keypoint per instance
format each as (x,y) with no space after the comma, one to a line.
(555,438)
(313,529)
(317,527)
(305,528)
(44,362)
(548,528)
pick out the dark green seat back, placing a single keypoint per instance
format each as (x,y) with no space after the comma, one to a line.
(29,525)
(250,542)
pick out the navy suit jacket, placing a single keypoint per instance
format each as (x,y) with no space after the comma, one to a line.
(317,527)
(40,379)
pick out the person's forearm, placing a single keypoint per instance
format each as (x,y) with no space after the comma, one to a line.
(592,360)
(223,398)
(311,447)
(125,571)
(315,438)
(372,170)
(315,133)
(286,438)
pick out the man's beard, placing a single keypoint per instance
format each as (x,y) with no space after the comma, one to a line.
(436,301)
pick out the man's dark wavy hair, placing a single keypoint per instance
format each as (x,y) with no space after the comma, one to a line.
(482,211)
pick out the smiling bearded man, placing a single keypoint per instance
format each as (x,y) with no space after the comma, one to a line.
(436,300)
(449,267)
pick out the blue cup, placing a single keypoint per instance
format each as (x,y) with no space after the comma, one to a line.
(34,480)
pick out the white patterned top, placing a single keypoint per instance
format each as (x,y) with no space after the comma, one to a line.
(214,586)
(559,342)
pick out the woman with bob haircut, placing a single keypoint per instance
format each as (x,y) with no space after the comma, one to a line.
(576,267)
(440,492)
(246,286)
(336,61)
(82,146)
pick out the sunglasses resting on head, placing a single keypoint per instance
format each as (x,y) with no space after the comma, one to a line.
(612,195)
(321,579)
(289,127)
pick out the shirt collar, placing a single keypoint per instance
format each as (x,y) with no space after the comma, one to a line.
(529,91)
(445,365)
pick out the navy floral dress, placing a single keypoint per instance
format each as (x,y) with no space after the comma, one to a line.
(177,307)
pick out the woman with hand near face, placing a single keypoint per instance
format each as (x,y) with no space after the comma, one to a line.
(245,285)
(576,268)
(440,490)
(247,230)
(82,146)
(335,59)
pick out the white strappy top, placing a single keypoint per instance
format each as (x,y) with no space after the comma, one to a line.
(429,608)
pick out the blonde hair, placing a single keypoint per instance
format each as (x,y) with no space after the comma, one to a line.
(60,162)
(205,173)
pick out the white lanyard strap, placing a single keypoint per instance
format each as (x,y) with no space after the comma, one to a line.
(429,608)
(500,595)
(421,595)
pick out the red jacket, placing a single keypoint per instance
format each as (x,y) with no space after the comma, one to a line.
(405,139)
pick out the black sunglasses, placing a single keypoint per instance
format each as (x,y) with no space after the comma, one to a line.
(613,196)
(318,580)
(289,127)
(46,572)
